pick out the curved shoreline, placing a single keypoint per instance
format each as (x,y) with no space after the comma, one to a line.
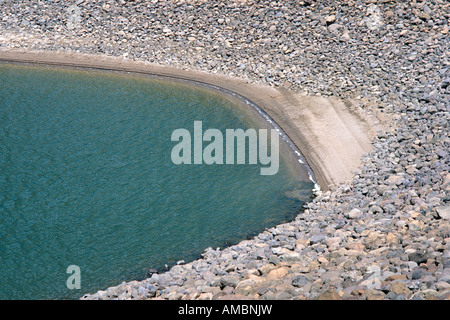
(310,145)
(298,161)
(232,87)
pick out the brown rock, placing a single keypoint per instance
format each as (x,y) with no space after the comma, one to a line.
(330,294)
(396,277)
(322,260)
(394,179)
(374,295)
(265,269)
(355,246)
(399,287)
(391,238)
(277,273)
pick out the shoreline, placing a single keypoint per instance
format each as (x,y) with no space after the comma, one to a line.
(221,84)
(308,140)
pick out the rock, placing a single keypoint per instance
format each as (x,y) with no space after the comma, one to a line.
(245,290)
(418,257)
(353,214)
(355,246)
(330,294)
(391,239)
(394,180)
(231,297)
(417,274)
(291,256)
(374,295)
(331,276)
(277,273)
(442,286)
(205,296)
(299,281)
(443,212)
(229,281)
(330,19)
(345,35)
(426,295)
(150,272)
(262,288)
(396,277)
(333,28)
(316,239)
(372,283)
(399,288)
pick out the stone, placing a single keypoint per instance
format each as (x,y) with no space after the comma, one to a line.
(418,257)
(299,281)
(265,269)
(394,180)
(329,294)
(391,239)
(374,295)
(417,274)
(355,246)
(231,297)
(277,273)
(330,19)
(322,260)
(443,212)
(291,256)
(353,214)
(442,286)
(316,239)
(229,281)
(399,288)
(205,296)
(396,277)
(245,290)
(372,283)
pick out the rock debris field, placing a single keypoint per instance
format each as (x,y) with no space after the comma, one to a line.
(383,235)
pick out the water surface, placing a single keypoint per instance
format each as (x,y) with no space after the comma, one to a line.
(86,179)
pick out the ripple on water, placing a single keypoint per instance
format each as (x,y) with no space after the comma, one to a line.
(86,178)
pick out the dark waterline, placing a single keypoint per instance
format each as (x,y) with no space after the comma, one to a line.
(15,100)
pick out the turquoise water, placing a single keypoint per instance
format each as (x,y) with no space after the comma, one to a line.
(86,179)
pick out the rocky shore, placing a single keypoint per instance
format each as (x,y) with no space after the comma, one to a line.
(383,235)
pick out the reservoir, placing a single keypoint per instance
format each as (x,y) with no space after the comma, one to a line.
(87,179)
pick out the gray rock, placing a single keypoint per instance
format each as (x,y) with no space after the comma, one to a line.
(316,239)
(418,257)
(417,274)
(353,214)
(443,212)
(300,281)
(230,281)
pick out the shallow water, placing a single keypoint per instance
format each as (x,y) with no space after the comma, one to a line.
(86,179)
